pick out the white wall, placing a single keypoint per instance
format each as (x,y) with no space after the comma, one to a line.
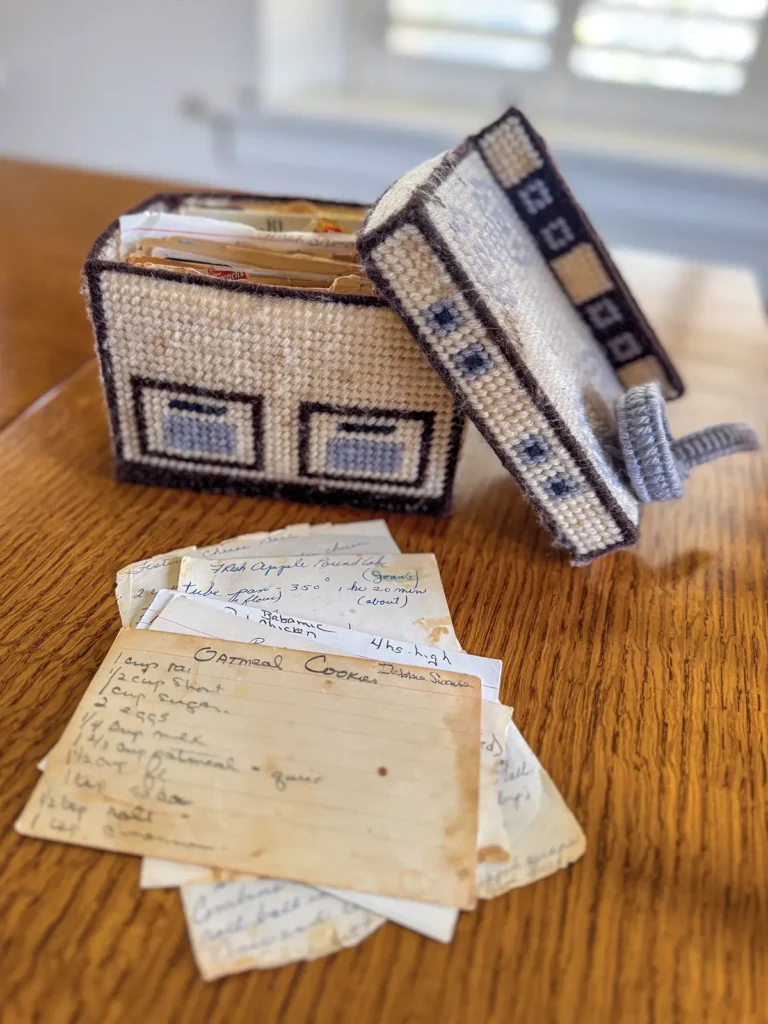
(103,83)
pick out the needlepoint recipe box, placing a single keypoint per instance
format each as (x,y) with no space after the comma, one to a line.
(330,354)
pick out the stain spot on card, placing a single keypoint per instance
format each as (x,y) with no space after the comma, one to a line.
(492,855)
(322,938)
(436,629)
(218,875)
(460,831)
(235,966)
(382,770)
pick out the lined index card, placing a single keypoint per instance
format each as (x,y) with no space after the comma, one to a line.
(312,767)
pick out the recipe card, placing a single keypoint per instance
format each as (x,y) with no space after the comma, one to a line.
(317,768)
(400,594)
(540,833)
(172,612)
(198,616)
(137,584)
(261,922)
(253,543)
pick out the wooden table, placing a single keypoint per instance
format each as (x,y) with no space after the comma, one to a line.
(639,681)
(48,219)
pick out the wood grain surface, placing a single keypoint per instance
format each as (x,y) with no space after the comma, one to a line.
(48,219)
(639,681)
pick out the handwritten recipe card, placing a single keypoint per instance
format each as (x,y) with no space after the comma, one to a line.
(138,583)
(172,612)
(313,767)
(204,617)
(362,592)
(261,922)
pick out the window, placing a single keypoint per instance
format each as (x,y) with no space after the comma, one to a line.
(694,66)
(699,45)
(515,35)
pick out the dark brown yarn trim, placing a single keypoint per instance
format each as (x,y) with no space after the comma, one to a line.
(137,473)
(98,320)
(370,240)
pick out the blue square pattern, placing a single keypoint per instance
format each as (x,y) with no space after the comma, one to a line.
(558,234)
(442,317)
(473,361)
(603,313)
(535,196)
(561,487)
(191,435)
(533,450)
(358,455)
(624,348)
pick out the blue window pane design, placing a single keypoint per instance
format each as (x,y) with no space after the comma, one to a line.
(442,317)
(558,234)
(533,450)
(603,313)
(473,361)
(356,455)
(624,348)
(562,487)
(535,196)
(192,435)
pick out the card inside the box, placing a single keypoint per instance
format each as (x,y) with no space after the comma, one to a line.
(296,244)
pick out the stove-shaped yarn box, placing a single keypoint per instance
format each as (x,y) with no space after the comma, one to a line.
(219,384)
(474,287)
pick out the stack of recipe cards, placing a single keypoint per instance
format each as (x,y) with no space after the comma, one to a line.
(287,729)
(296,244)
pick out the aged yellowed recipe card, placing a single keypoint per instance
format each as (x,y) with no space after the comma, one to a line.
(313,767)
(398,595)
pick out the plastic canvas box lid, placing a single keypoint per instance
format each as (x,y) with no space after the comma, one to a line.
(508,290)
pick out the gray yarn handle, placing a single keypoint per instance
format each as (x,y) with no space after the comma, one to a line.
(713,443)
(657,465)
